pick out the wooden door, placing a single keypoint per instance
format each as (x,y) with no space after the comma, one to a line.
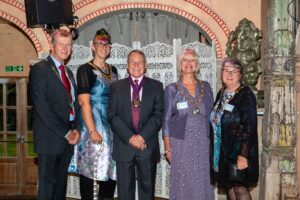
(18,165)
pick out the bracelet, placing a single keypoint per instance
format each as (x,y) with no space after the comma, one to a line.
(167,151)
(91,131)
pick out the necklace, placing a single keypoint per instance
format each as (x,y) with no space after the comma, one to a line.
(223,101)
(136,91)
(195,101)
(107,75)
(233,89)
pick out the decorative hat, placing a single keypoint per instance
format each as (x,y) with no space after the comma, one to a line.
(102,36)
(232,61)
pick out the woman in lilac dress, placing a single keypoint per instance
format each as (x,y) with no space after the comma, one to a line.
(188,104)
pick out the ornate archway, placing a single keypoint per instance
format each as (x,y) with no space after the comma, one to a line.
(193,10)
(86,12)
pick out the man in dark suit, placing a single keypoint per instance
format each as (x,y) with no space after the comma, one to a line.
(135,112)
(53,92)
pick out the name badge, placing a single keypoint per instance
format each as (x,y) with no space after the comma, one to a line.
(228,107)
(182,105)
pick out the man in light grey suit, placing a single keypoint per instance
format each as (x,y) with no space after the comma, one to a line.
(135,112)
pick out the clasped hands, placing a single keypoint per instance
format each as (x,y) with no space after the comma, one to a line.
(137,142)
(73,136)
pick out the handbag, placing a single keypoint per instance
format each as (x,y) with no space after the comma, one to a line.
(236,175)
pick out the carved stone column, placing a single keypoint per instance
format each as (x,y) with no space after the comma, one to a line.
(297,86)
(278,163)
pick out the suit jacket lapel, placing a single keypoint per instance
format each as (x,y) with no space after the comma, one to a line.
(127,97)
(71,78)
(146,93)
(52,65)
(58,82)
(55,71)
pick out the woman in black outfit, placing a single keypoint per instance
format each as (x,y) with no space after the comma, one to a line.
(234,135)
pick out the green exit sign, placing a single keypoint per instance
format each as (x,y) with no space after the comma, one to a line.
(15,68)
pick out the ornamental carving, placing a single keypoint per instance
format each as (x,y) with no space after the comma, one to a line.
(244,43)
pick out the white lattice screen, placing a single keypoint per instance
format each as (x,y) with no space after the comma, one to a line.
(162,62)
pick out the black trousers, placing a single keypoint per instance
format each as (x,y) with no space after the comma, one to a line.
(106,190)
(145,168)
(53,174)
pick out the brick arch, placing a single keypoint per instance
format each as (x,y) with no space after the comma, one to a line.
(15,4)
(19,22)
(167,8)
(33,35)
(23,26)
(212,14)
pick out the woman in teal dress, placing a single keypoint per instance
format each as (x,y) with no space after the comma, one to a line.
(94,160)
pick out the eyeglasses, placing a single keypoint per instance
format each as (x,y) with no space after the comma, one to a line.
(189,60)
(99,44)
(234,72)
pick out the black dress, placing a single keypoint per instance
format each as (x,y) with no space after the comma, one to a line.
(238,137)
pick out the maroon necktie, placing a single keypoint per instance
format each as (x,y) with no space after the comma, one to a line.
(67,85)
(135,109)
